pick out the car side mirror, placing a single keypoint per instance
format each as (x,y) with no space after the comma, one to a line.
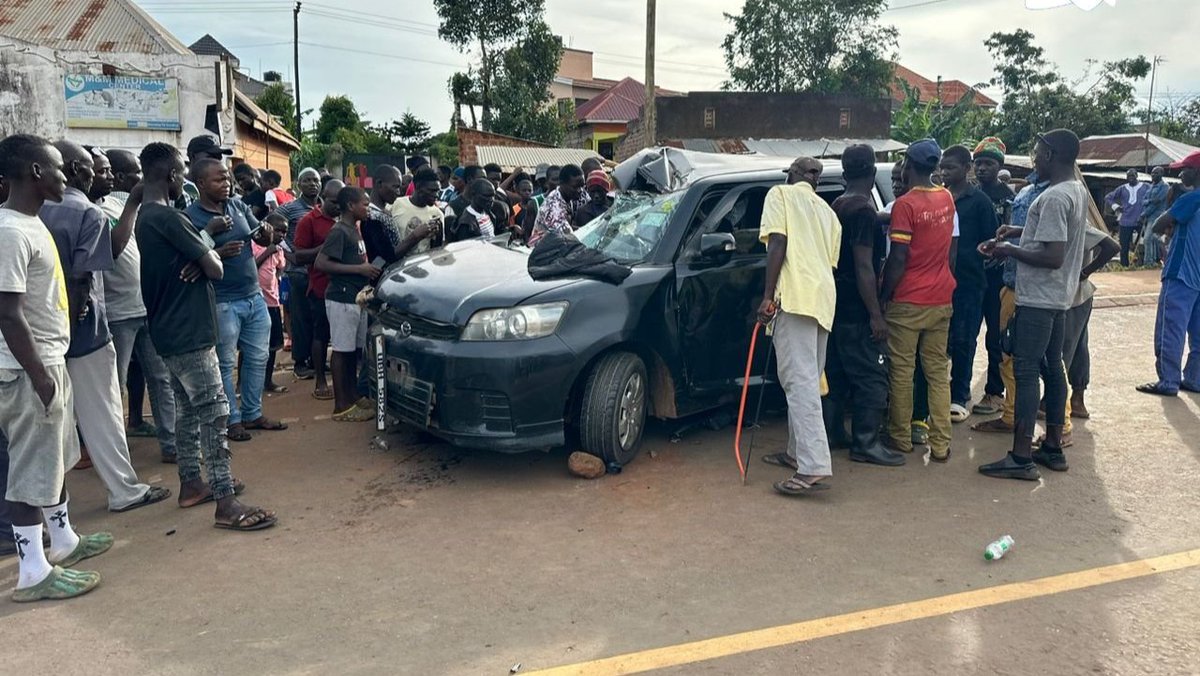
(716,244)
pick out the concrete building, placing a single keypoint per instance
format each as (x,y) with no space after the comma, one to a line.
(104,73)
(575,81)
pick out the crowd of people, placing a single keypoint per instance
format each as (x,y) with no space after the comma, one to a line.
(886,308)
(176,275)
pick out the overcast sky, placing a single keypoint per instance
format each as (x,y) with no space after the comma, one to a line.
(390,60)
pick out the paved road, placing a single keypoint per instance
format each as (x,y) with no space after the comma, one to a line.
(427,560)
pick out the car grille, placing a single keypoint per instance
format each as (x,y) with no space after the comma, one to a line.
(420,326)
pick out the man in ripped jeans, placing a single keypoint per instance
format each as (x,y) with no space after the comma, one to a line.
(1049,257)
(178,264)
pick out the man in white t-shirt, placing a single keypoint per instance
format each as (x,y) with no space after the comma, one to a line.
(36,405)
(417,217)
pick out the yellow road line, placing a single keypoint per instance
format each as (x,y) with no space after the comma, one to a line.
(774,637)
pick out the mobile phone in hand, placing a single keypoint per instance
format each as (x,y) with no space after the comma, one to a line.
(379,262)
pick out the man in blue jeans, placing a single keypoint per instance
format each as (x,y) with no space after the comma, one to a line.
(242,317)
(1179,301)
(977,223)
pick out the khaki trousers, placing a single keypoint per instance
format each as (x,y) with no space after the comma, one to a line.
(923,330)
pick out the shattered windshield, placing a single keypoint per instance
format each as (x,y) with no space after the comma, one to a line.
(630,231)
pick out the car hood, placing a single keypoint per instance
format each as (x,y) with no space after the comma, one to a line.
(451,284)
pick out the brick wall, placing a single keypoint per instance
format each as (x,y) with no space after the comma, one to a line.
(633,141)
(469,138)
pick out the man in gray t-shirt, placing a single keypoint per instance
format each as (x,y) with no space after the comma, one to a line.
(1058,215)
(1049,258)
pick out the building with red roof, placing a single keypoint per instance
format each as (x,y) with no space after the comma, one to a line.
(948,92)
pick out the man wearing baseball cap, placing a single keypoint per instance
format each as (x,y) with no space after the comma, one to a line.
(1179,300)
(918,291)
(200,147)
(1049,259)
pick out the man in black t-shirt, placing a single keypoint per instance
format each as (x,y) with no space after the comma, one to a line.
(857,368)
(977,224)
(989,158)
(178,264)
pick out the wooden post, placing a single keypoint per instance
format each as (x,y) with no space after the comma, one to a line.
(296,59)
(649,114)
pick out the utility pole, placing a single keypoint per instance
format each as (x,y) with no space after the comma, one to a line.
(1150,111)
(296,59)
(649,115)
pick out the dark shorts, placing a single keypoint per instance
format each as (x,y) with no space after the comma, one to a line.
(320,320)
(276,328)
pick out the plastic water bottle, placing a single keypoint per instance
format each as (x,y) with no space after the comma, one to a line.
(998,548)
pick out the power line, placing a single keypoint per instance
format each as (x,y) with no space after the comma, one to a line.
(915,5)
(380,54)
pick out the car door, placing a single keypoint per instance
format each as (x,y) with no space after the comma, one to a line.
(717,297)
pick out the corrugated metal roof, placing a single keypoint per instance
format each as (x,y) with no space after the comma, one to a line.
(950,91)
(1129,150)
(620,103)
(511,158)
(789,148)
(212,47)
(821,147)
(87,25)
(260,118)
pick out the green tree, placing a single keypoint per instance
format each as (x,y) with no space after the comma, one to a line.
(522,88)
(311,154)
(1037,97)
(337,112)
(492,26)
(408,136)
(810,45)
(444,148)
(278,102)
(1178,120)
(464,92)
(947,123)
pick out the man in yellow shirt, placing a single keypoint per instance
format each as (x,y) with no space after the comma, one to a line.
(803,237)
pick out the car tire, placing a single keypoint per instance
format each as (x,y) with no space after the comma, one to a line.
(612,415)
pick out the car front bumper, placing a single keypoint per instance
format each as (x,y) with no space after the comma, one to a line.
(508,396)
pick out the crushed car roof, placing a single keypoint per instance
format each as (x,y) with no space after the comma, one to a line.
(666,169)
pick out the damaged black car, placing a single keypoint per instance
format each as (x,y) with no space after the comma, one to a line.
(478,352)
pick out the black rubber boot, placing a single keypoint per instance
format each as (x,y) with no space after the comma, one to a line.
(835,423)
(865,446)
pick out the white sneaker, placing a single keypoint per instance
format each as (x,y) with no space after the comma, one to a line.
(958,413)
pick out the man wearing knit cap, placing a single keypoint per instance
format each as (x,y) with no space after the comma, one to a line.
(918,290)
(597,187)
(989,159)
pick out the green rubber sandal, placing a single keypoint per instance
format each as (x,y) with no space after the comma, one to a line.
(59,584)
(89,546)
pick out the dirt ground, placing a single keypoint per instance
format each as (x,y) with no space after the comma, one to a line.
(422,559)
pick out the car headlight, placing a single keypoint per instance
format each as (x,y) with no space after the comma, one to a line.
(523,322)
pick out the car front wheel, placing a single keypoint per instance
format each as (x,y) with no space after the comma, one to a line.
(613,411)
